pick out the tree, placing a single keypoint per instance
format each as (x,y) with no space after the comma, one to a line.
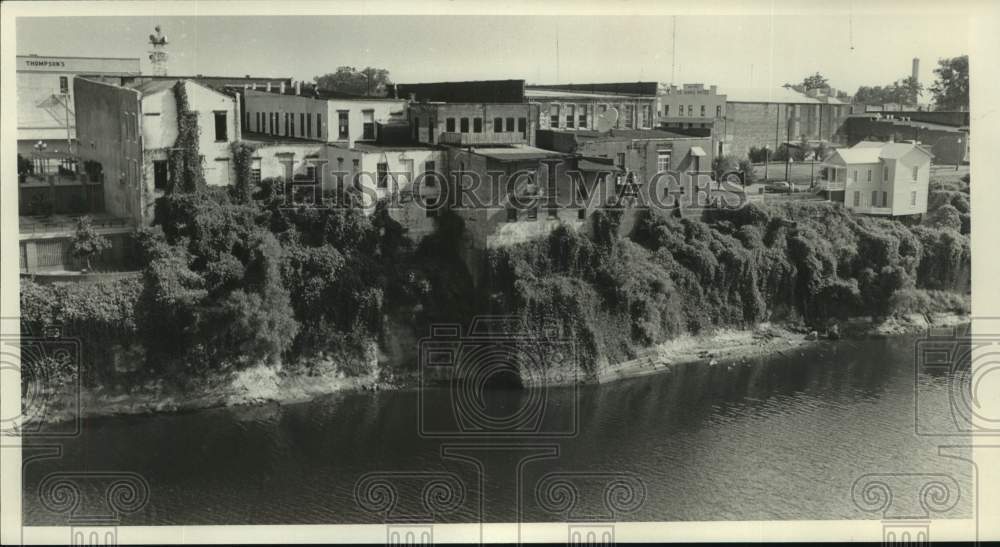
(905,91)
(368,81)
(86,241)
(951,89)
(816,81)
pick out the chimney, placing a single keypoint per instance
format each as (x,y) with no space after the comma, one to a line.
(268,87)
(916,69)
(282,89)
(298,88)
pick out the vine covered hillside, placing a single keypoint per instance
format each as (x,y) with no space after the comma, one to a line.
(812,262)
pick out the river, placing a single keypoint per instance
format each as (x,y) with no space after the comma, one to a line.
(784,437)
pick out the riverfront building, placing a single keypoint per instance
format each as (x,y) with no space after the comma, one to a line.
(877,178)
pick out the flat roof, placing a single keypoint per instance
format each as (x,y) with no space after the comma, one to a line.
(312,92)
(264,138)
(516,153)
(618,134)
(376,147)
(538,93)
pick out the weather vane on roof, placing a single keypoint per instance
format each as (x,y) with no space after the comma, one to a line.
(158,56)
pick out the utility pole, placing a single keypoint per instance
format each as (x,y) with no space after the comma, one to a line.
(673,53)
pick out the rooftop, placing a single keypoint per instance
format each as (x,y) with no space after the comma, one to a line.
(544,93)
(872,151)
(311,91)
(515,153)
(619,134)
(264,138)
(767,95)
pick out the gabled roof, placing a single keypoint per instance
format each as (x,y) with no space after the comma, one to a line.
(156,86)
(872,152)
(899,149)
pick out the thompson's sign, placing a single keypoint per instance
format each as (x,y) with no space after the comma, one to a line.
(76,65)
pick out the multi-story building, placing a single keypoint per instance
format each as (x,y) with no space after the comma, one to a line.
(45,110)
(577,106)
(690,107)
(472,124)
(880,178)
(310,113)
(126,135)
(773,117)
(945,133)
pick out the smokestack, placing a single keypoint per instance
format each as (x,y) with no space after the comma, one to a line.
(916,69)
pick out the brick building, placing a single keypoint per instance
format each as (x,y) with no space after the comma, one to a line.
(948,141)
(772,117)
(576,106)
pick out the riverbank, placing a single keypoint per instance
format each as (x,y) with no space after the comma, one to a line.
(265,384)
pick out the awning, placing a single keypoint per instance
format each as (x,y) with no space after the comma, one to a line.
(697,151)
(596,166)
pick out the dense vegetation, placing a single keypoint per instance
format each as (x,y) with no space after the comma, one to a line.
(231,281)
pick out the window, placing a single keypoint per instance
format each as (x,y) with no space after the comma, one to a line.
(368,127)
(220,126)
(570,116)
(854,175)
(916,170)
(629,116)
(885,173)
(286,123)
(343,125)
(302,125)
(690,110)
(319,126)
(291,121)
(702,111)
(431,204)
(602,108)
(477,125)
(449,125)
(430,177)
(64,85)
(308,126)
(255,171)
(644,122)
(718,112)
(257,119)
(383,175)
(511,215)
(522,126)
(621,160)
(666,110)
(869,175)
(510,125)
(582,117)
(554,115)
(857,198)
(248,121)
(497,125)
(913,199)
(663,159)
(160,174)
(581,214)
(464,125)
(874,202)
(885,199)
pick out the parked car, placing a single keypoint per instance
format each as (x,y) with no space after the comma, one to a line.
(779,187)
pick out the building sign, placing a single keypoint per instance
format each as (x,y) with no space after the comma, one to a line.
(78,65)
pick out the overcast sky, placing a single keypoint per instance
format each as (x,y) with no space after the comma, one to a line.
(731,51)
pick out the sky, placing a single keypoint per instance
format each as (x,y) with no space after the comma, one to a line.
(729,51)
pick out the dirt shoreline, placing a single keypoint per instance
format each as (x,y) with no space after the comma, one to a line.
(267,385)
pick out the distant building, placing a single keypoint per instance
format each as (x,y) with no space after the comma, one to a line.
(945,133)
(775,116)
(473,124)
(888,179)
(45,109)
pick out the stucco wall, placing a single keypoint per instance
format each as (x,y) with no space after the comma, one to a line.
(429,121)
(108,130)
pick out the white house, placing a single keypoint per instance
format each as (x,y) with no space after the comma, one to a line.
(879,178)
(218,122)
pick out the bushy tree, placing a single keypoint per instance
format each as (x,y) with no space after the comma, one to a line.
(951,88)
(87,242)
(368,81)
